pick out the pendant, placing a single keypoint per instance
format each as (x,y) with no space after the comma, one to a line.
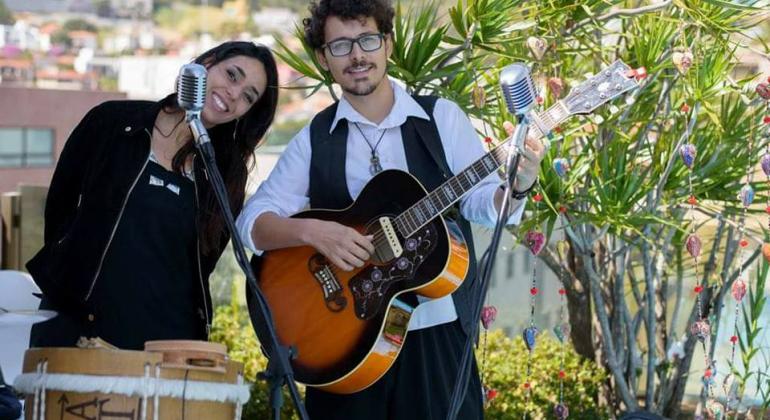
(375,166)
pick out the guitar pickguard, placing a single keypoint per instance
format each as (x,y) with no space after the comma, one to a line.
(370,286)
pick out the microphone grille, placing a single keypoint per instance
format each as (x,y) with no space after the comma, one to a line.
(191,87)
(518,88)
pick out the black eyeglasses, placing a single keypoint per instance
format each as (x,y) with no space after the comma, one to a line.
(343,46)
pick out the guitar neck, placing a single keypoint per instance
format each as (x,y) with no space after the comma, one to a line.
(448,193)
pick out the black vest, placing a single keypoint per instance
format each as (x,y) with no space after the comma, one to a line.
(424,157)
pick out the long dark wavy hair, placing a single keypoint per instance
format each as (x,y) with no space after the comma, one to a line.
(234,142)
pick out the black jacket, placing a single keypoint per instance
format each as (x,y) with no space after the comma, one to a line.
(94,176)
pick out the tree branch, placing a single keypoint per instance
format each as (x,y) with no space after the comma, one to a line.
(617,373)
(616,13)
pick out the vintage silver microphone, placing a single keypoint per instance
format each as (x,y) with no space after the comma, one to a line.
(191,96)
(519,94)
(518,88)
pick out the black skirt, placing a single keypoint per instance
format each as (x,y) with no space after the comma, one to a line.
(418,386)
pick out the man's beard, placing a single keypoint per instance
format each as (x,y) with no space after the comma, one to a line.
(356,88)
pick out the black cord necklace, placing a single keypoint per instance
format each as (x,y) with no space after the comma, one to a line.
(374,167)
(172,130)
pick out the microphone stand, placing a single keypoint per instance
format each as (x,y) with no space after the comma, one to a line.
(278,370)
(481,285)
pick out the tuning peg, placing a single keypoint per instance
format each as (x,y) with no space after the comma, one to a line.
(630,100)
(613,109)
(598,119)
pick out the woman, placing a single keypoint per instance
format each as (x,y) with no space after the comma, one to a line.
(132,227)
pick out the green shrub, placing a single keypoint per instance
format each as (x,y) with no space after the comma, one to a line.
(506,372)
(232,328)
(506,368)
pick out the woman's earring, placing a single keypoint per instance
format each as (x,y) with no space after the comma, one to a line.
(235,128)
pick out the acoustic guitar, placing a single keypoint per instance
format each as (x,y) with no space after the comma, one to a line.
(347,328)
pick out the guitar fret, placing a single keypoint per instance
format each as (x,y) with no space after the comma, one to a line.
(419,214)
(450,194)
(473,168)
(489,163)
(430,206)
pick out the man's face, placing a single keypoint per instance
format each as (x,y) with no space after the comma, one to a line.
(359,72)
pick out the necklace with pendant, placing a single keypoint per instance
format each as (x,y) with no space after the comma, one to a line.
(374,161)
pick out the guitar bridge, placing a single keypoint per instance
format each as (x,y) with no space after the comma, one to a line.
(330,286)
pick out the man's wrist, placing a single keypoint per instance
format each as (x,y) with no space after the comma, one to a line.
(519,195)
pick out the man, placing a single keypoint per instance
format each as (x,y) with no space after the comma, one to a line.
(352,41)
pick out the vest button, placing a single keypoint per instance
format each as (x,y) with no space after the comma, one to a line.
(91,317)
(127,129)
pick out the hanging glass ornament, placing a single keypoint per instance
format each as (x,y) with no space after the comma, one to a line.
(701,330)
(537,46)
(688,152)
(739,290)
(765,162)
(693,245)
(561,411)
(561,331)
(535,241)
(746,195)
(555,86)
(488,316)
(479,97)
(763,90)
(561,166)
(715,409)
(530,337)
(682,60)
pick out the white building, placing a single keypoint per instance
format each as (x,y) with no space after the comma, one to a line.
(150,77)
(21,34)
(275,20)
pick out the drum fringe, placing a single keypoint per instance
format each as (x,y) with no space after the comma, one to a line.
(28,383)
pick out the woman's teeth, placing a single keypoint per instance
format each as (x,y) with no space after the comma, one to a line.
(219,103)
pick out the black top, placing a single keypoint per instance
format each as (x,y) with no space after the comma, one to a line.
(149,279)
(148,283)
(100,161)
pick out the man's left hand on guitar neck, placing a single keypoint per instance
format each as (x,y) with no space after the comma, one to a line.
(529,166)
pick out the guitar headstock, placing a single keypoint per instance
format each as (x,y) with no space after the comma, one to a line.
(605,86)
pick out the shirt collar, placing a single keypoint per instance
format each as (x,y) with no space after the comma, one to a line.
(136,122)
(404,106)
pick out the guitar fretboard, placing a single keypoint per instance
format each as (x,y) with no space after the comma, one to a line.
(448,193)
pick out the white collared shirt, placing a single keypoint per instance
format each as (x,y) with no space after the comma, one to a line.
(285,191)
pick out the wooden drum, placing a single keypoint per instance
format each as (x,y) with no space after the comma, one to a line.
(170,380)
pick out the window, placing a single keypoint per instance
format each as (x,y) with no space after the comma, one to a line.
(25,147)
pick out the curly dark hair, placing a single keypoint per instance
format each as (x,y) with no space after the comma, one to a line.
(380,10)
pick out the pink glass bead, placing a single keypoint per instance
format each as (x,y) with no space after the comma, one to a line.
(488,315)
(739,290)
(535,241)
(701,330)
(763,90)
